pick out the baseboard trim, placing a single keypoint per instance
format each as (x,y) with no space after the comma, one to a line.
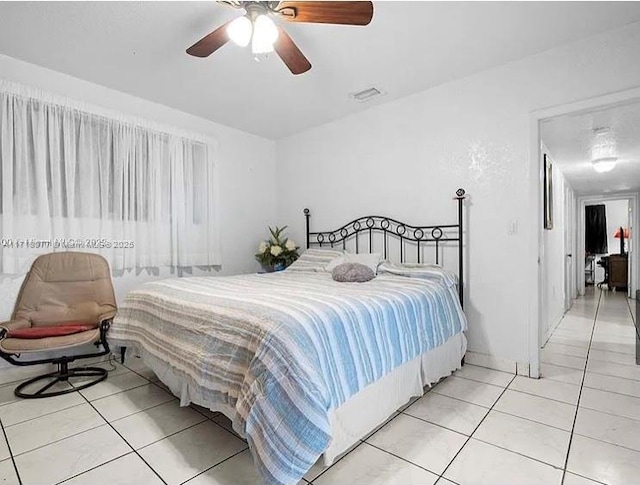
(497,363)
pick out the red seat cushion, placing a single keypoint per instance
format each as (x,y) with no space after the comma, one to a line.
(54,331)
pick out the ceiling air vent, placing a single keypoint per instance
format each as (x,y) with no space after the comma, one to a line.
(367,94)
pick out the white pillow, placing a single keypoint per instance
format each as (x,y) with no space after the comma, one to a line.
(315,260)
(423,271)
(371,260)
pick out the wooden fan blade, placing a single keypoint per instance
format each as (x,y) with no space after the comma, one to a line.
(290,54)
(210,43)
(345,13)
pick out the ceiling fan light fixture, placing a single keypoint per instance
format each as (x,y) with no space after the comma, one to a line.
(602,165)
(265,37)
(265,33)
(240,30)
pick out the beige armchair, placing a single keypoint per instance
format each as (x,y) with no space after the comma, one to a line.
(66,301)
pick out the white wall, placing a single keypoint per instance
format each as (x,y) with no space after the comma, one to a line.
(554,256)
(246,171)
(407,157)
(617,216)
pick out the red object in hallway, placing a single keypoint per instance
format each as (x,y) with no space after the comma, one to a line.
(620,231)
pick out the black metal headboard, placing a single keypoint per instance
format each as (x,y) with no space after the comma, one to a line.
(419,236)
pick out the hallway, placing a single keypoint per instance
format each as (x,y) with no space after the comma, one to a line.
(593,350)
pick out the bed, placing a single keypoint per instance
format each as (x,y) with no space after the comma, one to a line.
(295,359)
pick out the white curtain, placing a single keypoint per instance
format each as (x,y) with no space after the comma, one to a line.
(73,177)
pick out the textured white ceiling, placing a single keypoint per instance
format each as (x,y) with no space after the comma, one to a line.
(138,48)
(569,139)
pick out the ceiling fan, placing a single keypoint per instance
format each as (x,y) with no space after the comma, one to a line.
(257,27)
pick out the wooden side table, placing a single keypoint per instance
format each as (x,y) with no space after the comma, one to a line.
(618,271)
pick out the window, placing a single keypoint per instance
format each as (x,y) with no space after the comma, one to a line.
(84,179)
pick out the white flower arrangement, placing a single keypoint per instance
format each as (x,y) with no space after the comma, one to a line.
(278,252)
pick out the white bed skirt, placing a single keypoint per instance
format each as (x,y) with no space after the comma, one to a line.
(362,412)
(373,405)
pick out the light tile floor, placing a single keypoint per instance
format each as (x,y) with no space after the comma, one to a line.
(578,425)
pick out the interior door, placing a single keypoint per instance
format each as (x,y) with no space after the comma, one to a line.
(568,247)
(630,251)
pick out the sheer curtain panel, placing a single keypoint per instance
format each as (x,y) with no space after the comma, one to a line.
(75,177)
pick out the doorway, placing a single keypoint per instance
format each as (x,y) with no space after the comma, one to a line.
(620,220)
(560,248)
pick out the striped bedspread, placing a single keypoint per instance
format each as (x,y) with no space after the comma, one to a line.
(284,349)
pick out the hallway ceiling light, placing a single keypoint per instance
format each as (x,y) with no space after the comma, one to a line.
(602,165)
(603,150)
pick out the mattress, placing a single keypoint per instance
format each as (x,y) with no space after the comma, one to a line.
(279,354)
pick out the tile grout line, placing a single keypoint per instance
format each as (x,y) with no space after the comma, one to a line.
(584,374)
(43,415)
(230,431)
(79,392)
(206,418)
(147,381)
(469,436)
(607,442)
(519,452)
(341,458)
(374,431)
(479,382)
(474,430)
(350,451)
(13,461)
(610,413)
(61,439)
(545,397)
(563,366)
(633,366)
(122,390)
(613,392)
(565,343)
(488,410)
(405,459)
(123,439)
(58,440)
(156,383)
(213,466)
(484,382)
(94,467)
(139,374)
(497,411)
(450,397)
(167,436)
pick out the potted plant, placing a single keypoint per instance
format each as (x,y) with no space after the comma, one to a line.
(278,252)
